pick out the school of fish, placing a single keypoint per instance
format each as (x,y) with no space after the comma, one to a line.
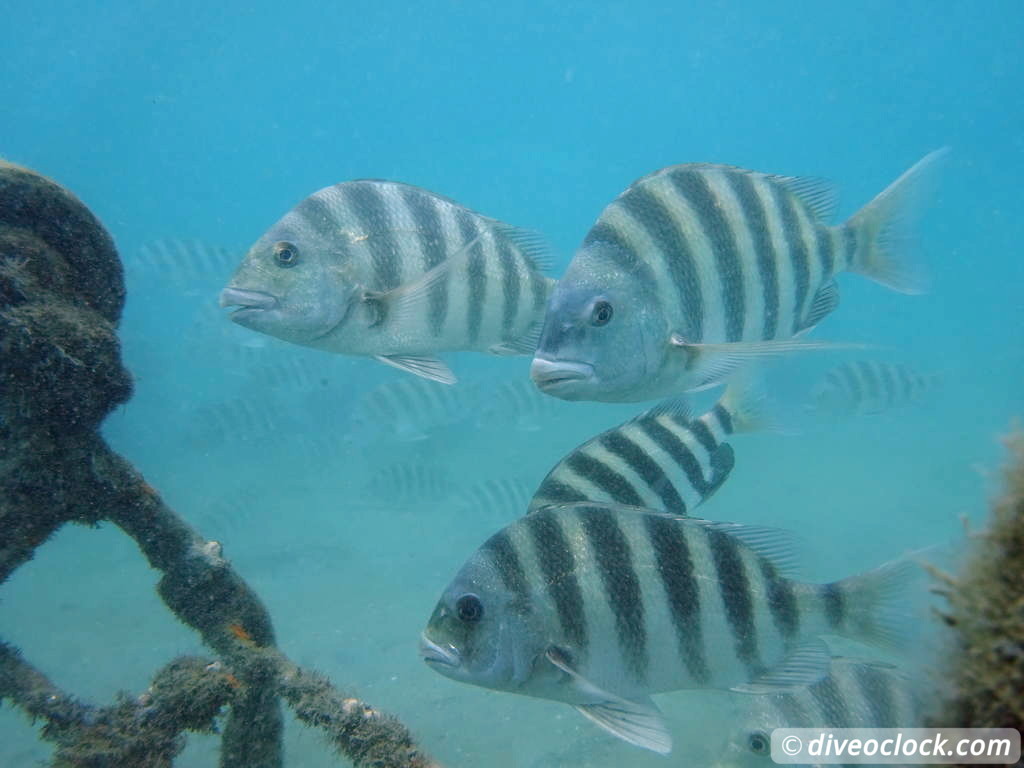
(600,588)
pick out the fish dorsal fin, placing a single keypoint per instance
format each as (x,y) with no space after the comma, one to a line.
(637,721)
(775,545)
(820,195)
(803,666)
(425,367)
(825,300)
(676,408)
(531,244)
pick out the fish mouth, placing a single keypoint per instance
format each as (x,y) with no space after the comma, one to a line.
(433,653)
(249,302)
(553,375)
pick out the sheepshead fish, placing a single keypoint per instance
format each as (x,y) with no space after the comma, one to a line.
(696,269)
(394,272)
(856,693)
(601,605)
(868,387)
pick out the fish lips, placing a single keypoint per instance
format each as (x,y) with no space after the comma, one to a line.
(445,660)
(560,378)
(251,304)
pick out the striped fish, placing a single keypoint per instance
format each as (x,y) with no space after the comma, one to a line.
(518,404)
(697,268)
(856,693)
(600,606)
(390,271)
(662,459)
(406,483)
(411,410)
(866,387)
(503,498)
(190,265)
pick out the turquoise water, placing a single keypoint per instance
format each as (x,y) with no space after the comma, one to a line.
(190,121)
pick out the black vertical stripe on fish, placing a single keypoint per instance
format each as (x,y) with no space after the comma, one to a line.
(781,601)
(853,385)
(867,371)
(826,251)
(507,563)
(557,564)
(830,698)
(724,417)
(674,252)
(735,590)
(793,712)
(743,186)
(910,383)
(621,586)
(675,569)
(799,258)
(832,597)
(849,245)
(694,187)
(888,383)
(539,290)
(700,431)
(317,214)
(647,468)
(875,688)
(555,491)
(669,442)
(604,477)
(477,276)
(427,220)
(510,289)
(371,209)
(619,251)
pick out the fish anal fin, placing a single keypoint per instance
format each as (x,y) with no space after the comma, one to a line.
(803,666)
(425,367)
(636,721)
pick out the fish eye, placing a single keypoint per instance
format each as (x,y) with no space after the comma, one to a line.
(469,608)
(601,314)
(286,254)
(759,743)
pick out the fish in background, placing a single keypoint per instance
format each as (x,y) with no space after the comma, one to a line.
(195,267)
(234,421)
(600,606)
(663,459)
(868,387)
(695,269)
(409,483)
(410,410)
(518,404)
(393,272)
(503,498)
(856,693)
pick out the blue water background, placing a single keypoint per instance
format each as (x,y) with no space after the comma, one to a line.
(209,121)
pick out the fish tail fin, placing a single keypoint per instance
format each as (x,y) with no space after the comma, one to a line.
(880,230)
(872,607)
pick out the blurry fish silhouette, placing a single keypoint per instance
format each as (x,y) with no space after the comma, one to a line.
(867,387)
(411,409)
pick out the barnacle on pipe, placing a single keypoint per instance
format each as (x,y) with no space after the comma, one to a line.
(61,296)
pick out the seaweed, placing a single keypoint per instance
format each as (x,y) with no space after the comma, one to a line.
(985,612)
(61,296)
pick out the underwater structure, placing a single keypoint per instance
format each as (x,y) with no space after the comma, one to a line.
(985,611)
(61,296)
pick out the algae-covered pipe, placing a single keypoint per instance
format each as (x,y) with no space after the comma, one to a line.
(61,295)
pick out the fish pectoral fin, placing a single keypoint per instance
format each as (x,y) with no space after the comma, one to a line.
(825,300)
(803,666)
(713,363)
(638,722)
(404,303)
(523,345)
(426,367)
